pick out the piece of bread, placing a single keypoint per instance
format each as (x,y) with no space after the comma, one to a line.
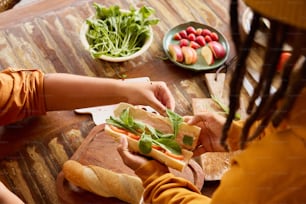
(164,125)
(215,164)
(104,182)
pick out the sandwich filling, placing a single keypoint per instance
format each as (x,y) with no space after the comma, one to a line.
(162,139)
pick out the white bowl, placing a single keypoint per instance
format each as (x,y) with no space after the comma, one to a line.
(145,47)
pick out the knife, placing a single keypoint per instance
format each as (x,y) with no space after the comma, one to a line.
(99,113)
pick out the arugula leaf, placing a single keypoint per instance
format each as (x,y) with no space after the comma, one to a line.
(157,134)
(120,124)
(188,140)
(149,135)
(169,144)
(175,119)
(126,118)
(223,107)
(145,144)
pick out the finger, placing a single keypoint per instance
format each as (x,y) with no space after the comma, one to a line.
(198,151)
(164,95)
(196,119)
(187,118)
(170,102)
(123,147)
(159,107)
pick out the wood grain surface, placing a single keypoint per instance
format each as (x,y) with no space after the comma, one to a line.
(45,35)
(100,149)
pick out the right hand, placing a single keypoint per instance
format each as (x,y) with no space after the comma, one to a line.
(211,125)
(155,94)
(133,161)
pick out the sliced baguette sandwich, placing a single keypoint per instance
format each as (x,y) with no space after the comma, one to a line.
(166,139)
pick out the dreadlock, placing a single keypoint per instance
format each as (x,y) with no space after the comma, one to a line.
(237,77)
(292,82)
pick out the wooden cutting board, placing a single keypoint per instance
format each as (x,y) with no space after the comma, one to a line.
(101,150)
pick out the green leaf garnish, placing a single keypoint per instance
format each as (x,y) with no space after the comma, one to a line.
(148,134)
(188,140)
(223,107)
(145,144)
(175,119)
(170,145)
(118,33)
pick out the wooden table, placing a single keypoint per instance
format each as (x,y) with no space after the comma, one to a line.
(45,35)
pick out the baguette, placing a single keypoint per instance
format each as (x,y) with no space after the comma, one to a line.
(104,182)
(162,124)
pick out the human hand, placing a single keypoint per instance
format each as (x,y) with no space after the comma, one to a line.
(155,94)
(131,160)
(6,196)
(211,125)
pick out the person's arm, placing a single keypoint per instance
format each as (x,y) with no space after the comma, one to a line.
(26,93)
(66,91)
(21,94)
(160,185)
(163,187)
(7,196)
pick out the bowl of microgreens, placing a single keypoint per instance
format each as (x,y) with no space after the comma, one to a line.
(116,35)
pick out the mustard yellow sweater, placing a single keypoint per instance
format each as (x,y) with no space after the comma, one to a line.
(270,170)
(21,94)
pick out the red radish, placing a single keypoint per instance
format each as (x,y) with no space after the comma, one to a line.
(217,49)
(200,40)
(183,33)
(194,45)
(190,55)
(205,32)
(191,37)
(177,36)
(184,42)
(207,55)
(214,36)
(190,29)
(176,53)
(207,38)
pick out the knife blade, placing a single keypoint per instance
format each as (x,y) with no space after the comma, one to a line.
(99,113)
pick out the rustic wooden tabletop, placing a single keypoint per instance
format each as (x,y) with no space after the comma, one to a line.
(45,35)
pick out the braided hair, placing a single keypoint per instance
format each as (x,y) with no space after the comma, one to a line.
(292,79)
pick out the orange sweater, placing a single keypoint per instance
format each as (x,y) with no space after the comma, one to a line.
(21,94)
(270,170)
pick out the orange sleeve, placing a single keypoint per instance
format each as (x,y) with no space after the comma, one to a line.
(233,139)
(163,187)
(21,94)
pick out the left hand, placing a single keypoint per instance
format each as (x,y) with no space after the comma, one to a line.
(211,125)
(155,94)
(131,160)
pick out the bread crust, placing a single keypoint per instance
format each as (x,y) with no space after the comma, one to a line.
(103,182)
(161,123)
